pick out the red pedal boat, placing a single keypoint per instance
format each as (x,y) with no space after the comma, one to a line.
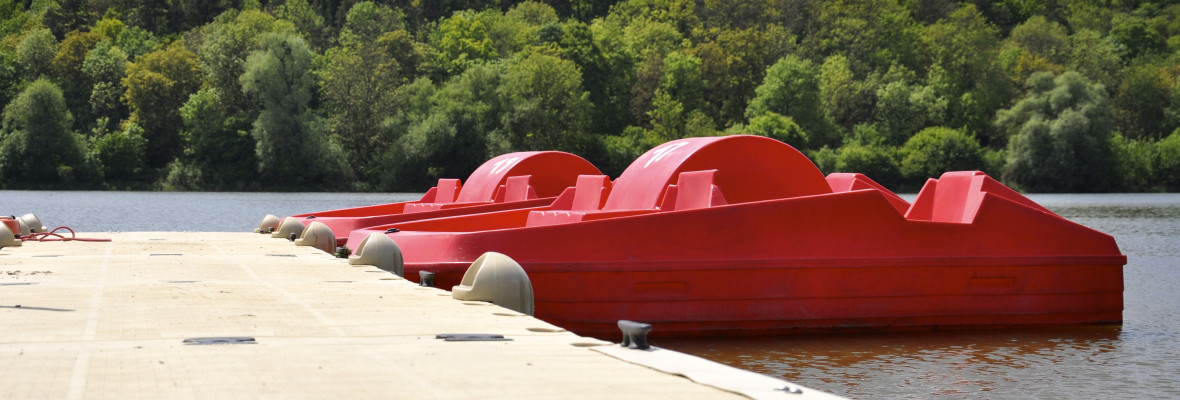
(510,181)
(743,235)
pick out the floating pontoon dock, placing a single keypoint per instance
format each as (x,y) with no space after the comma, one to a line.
(235,315)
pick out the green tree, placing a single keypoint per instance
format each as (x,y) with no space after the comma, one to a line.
(1136,38)
(1134,163)
(36,144)
(791,88)
(308,22)
(67,69)
(157,84)
(358,83)
(136,41)
(1094,57)
(904,108)
(679,97)
(547,108)
(291,146)
(872,34)
(224,47)
(960,52)
(1059,136)
(734,63)
(783,129)
(367,20)
(462,41)
(109,27)
(450,131)
(1036,45)
(846,100)
(589,47)
(223,156)
(1142,99)
(935,150)
(877,162)
(1167,161)
(36,51)
(122,153)
(104,69)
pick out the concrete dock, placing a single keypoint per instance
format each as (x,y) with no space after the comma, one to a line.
(110,320)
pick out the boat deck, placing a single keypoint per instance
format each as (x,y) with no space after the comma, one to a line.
(111,320)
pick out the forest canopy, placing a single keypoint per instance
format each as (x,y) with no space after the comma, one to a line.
(390,95)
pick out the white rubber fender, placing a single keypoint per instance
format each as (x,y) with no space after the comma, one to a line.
(498,279)
(379,250)
(319,236)
(287,227)
(29,223)
(8,238)
(269,223)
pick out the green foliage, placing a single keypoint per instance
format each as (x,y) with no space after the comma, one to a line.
(734,63)
(136,42)
(546,107)
(308,22)
(1167,161)
(779,127)
(36,144)
(1036,45)
(110,28)
(876,162)
(359,85)
(791,88)
(123,154)
(903,109)
(1094,57)
(1133,162)
(67,69)
(846,100)
(36,51)
(589,48)
(404,92)
(157,84)
(959,52)
(221,156)
(872,34)
(1059,136)
(290,139)
(1136,38)
(366,21)
(227,42)
(462,41)
(935,150)
(1143,99)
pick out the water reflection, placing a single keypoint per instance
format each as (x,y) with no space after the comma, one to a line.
(892,365)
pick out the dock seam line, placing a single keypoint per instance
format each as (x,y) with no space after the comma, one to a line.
(82,363)
(290,297)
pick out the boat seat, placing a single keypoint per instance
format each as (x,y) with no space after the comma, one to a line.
(444,193)
(693,189)
(848,181)
(589,193)
(516,188)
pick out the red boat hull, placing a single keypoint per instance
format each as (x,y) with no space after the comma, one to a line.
(700,252)
(506,182)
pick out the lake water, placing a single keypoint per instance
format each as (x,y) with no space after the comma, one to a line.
(1138,359)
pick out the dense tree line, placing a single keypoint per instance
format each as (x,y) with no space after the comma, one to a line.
(1049,95)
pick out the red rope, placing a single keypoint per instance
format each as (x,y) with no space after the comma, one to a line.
(53,236)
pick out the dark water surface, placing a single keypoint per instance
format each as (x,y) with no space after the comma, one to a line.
(1139,359)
